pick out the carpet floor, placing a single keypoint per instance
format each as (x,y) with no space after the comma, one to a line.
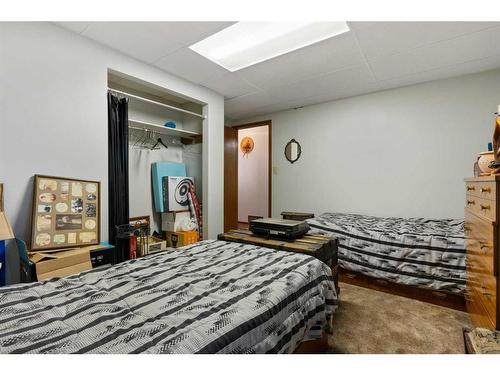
(369,321)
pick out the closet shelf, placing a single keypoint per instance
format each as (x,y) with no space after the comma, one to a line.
(137,124)
(129,95)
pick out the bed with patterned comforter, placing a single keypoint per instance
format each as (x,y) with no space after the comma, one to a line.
(419,252)
(210,297)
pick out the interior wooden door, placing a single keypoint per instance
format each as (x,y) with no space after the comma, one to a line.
(230,178)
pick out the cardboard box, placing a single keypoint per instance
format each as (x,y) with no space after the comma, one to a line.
(154,245)
(6,232)
(61,263)
(178,239)
(1,197)
(171,221)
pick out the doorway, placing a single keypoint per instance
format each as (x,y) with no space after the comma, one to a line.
(247,173)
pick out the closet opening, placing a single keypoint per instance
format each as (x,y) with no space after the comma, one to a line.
(163,169)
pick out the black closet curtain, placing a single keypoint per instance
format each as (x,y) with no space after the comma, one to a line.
(118,173)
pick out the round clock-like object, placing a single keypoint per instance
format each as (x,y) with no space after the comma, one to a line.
(246,145)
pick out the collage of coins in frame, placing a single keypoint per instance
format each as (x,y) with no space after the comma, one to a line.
(65,212)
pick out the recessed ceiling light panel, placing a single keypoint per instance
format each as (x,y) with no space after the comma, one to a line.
(248,43)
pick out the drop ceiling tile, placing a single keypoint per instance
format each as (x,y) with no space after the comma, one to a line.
(393,66)
(77,27)
(359,25)
(149,41)
(188,64)
(469,67)
(344,83)
(474,46)
(247,102)
(146,41)
(469,47)
(386,38)
(336,83)
(239,115)
(333,54)
(230,86)
(188,33)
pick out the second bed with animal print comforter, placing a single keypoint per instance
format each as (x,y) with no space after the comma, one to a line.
(419,252)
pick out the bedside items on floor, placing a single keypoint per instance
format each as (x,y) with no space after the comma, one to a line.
(44,265)
(179,228)
(181,238)
(142,242)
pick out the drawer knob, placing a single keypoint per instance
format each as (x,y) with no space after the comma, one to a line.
(471,188)
(485,291)
(484,207)
(484,246)
(485,190)
(469,202)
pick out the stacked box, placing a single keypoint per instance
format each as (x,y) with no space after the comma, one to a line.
(178,239)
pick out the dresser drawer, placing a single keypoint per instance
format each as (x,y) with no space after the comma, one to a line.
(478,313)
(481,206)
(485,189)
(485,289)
(481,242)
(480,257)
(478,227)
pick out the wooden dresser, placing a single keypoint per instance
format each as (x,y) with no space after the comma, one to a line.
(482,216)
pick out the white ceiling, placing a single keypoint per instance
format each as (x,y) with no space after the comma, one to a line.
(373,56)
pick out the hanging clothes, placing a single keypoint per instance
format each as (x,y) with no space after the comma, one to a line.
(118,197)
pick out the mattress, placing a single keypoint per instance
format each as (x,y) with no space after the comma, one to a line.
(209,297)
(418,252)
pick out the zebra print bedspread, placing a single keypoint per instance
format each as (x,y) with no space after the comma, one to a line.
(418,252)
(210,297)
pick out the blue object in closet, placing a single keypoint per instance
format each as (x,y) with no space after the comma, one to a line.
(2,263)
(159,170)
(170,124)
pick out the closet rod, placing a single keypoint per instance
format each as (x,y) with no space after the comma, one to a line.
(157,103)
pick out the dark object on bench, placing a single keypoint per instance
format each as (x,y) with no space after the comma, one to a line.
(279,228)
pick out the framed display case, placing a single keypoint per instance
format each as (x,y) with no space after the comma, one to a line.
(66,213)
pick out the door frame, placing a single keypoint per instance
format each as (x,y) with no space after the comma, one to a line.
(270,161)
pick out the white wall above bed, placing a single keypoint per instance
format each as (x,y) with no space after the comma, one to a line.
(401,152)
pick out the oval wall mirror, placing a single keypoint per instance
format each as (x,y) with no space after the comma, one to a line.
(293,151)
